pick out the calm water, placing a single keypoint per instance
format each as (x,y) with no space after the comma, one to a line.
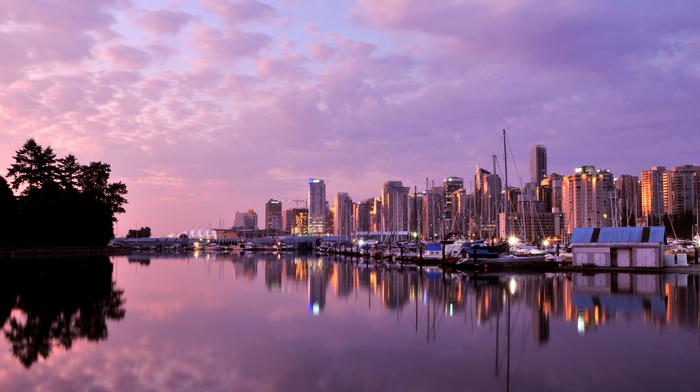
(296,323)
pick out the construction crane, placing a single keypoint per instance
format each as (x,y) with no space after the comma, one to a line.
(297,201)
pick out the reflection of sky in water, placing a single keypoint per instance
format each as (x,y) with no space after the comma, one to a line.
(260,324)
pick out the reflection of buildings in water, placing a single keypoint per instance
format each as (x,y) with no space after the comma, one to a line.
(588,300)
(489,300)
(319,276)
(682,292)
(245,267)
(602,298)
(343,280)
(395,289)
(273,275)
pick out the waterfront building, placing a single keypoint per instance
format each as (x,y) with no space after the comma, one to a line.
(430,219)
(451,185)
(245,220)
(317,207)
(461,208)
(549,192)
(342,215)
(273,215)
(415,212)
(683,190)
(362,215)
(654,189)
(395,206)
(629,200)
(538,164)
(587,198)
(376,215)
(532,225)
(488,201)
(296,221)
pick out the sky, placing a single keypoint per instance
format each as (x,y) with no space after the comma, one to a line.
(205,108)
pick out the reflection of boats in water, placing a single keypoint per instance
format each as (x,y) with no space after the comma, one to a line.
(213,247)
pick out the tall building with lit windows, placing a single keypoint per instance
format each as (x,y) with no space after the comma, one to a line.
(273,215)
(317,207)
(342,215)
(587,198)
(450,186)
(683,189)
(654,189)
(395,206)
(629,199)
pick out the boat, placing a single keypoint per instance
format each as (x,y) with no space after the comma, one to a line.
(213,247)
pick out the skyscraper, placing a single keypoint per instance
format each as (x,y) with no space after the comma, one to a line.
(273,215)
(317,207)
(451,185)
(629,200)
(395,206)
(538,163)
(654,187)
(683,189)
(342,219)
(587,198)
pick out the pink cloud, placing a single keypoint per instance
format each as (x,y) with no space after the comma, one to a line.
(238,12)
(231,44)
(289,69)
(127,56)
(164,21)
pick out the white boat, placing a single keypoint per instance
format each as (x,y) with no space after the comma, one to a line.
(213,247)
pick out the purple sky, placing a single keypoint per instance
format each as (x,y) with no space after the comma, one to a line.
(205,108)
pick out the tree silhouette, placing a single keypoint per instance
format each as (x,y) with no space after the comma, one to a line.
(62,192)
(34,167)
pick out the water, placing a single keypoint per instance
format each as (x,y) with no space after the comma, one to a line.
(296,323)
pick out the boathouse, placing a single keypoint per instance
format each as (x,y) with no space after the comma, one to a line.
(619,247)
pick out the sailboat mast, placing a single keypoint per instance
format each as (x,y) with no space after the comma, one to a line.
(505,163)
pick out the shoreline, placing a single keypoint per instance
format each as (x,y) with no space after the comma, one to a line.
(55,252)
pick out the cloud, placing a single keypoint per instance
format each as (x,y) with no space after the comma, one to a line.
(230,44)
(238,12)
(164,22)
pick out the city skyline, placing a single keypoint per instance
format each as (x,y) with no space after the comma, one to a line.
(211,107)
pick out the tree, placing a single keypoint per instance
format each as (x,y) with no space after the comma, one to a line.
(144,232)
(68,172)
(93,179)
(34,167)
(63,193)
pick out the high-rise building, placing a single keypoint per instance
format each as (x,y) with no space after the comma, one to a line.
(550,192)
(317,207)
(629,200)
(245,220)
(361,215)
(342,217)
(451,185)
(273,215)
(587,198)
(683,189)
(538,163)
(395,206)
(430,217)
(654,187)
(415,212)
(488,202)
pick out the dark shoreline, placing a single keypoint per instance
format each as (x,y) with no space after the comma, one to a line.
(56,252)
